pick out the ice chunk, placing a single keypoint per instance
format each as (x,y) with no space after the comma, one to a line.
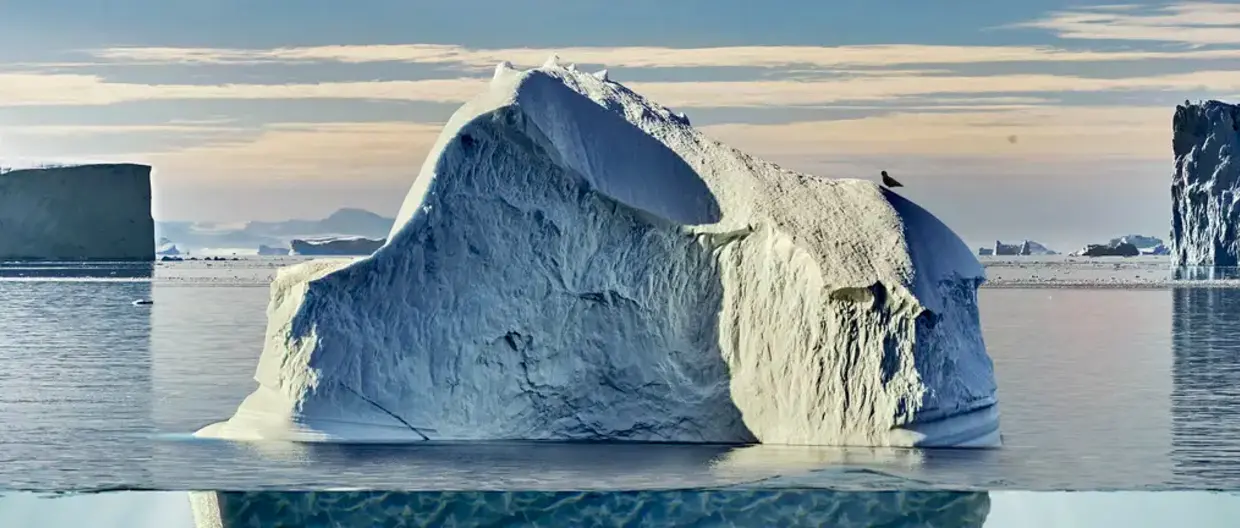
(573,262)
(602,75)
(1205,212)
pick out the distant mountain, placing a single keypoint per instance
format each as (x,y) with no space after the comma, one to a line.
(343,222)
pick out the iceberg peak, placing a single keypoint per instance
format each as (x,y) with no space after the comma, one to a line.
(502,69)
(552,62)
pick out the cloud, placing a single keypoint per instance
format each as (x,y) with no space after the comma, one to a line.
(391,153)
(879,55)
(306,152)
(1194,23)
(186,128)
(1043,134)
(25,89)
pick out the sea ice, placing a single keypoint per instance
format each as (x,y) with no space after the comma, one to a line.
(575,262)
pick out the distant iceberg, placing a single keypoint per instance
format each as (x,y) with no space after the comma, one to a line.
(1141,242)
(352,245)
(1024,248)
(166,247)
(1122,249)
(575,262)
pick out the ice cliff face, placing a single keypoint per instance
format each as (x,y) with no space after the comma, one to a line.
(86,212)
(576,262)
(1205,217)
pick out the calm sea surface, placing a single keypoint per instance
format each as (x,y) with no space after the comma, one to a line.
(1099,388)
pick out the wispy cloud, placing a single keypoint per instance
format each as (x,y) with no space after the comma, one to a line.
(71,89)
(27,89)
(392,152)
(92,130)
(1031,134)
(1194,23)
(881,55)
(362,152)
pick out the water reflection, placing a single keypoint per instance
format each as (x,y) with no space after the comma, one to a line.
(1206,395)
(785,507)
(77,271)
(1205,273)
(79,388)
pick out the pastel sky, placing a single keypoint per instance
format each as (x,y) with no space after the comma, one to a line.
(1043,119)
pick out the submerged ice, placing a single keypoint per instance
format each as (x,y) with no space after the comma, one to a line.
(575,262)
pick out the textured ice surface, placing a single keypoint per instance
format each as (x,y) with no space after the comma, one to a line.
(86,212)
(575,262)
(1205,217)
(273,509)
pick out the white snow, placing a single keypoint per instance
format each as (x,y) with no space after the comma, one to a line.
(576,262)
(1204,189)
(85,212)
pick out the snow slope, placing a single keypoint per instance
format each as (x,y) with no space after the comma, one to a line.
(576,262)
(85,212)
(1205,215)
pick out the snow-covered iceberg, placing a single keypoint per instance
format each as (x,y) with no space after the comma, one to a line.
(576,262)
(80,212)
(1205,204)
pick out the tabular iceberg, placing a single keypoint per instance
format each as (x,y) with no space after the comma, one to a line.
(1205,215)
(575,262)
(83,212)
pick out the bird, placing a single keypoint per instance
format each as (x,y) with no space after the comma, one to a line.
(890,182)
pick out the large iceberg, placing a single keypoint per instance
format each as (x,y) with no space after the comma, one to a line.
(1205,204)
(575,262)
(82,212)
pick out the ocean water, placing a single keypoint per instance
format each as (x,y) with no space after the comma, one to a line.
(1133,388)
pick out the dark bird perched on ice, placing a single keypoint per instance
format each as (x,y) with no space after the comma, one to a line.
(890,182)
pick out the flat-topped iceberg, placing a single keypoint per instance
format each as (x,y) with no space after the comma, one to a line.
(96,212)
(575,262)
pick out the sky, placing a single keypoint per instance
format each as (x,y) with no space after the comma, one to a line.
(1040,119)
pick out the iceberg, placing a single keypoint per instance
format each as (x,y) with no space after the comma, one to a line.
(1204,200)
(350,245)
(166,247)
(79,212)
(575,262)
